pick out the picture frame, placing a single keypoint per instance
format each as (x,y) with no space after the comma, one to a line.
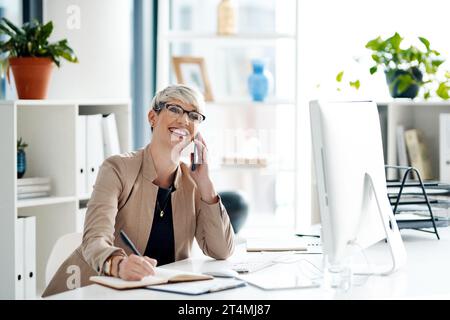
(191,71)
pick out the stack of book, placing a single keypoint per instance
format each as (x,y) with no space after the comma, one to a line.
(412,150)
(33,187)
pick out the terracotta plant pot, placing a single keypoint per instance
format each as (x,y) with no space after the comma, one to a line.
(32,76)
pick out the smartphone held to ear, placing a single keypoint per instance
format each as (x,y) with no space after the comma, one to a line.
(196,158)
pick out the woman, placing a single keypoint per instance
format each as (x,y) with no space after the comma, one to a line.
(157,200)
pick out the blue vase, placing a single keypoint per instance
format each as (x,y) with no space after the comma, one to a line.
(21,163)
(258,81)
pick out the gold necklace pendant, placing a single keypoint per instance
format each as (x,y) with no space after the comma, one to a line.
(161,210)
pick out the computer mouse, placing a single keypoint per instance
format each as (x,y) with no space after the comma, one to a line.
(222,273)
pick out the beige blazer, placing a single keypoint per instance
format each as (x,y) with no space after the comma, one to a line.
(124,197)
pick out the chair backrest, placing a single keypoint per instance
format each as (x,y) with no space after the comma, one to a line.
(237,208)
(62,249)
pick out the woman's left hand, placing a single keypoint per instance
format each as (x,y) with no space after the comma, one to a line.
(201,173)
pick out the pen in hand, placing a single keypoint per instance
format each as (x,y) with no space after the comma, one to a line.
(129,243)
(136,266)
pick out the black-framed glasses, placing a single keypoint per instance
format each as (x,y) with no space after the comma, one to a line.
(177,111)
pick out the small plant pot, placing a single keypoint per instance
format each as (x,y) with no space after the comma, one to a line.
(31,76)
(21,163)
(410,92)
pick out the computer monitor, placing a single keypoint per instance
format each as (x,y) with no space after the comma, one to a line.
(355,211)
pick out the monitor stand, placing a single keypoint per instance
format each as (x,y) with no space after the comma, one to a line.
(393,237)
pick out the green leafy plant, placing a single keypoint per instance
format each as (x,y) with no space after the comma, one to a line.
(31,40)
(406,67)
(21,145)
(354,84)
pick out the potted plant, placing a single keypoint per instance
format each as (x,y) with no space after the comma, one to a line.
(30,56)
(408,69)
(21,158)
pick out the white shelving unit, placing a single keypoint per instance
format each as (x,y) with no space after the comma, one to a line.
(423,115)
(270,103)
(237,111)
(50,129)
(36,202)
(239,39)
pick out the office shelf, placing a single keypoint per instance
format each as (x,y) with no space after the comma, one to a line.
(423,115)
(242,169)
(84,197)
(250,104)
(51,131)
(36,202)
(237,39)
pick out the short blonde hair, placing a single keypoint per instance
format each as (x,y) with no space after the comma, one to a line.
(181,93)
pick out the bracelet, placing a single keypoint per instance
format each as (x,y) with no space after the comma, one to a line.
(118,267)
(107,266)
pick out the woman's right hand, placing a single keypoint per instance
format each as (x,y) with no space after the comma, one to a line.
(134,268)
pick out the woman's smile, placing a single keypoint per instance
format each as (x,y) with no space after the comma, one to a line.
(179,132)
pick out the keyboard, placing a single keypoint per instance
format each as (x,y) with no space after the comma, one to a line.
(248,267)
(255,262)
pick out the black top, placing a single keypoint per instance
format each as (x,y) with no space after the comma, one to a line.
(161,243)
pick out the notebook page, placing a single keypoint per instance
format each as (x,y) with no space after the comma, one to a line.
(118,283)
(179,275)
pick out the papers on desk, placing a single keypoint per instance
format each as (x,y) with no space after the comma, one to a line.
(287,275)
(416,191)
(406,220)
(411,217)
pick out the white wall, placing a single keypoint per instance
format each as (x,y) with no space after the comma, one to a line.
(336,33)
(99,31)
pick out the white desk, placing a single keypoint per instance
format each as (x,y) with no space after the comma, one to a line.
(426,276)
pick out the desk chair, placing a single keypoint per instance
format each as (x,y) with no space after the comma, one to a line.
(237,208)
(62,249)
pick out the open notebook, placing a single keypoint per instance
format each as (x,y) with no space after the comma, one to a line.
(162,276)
